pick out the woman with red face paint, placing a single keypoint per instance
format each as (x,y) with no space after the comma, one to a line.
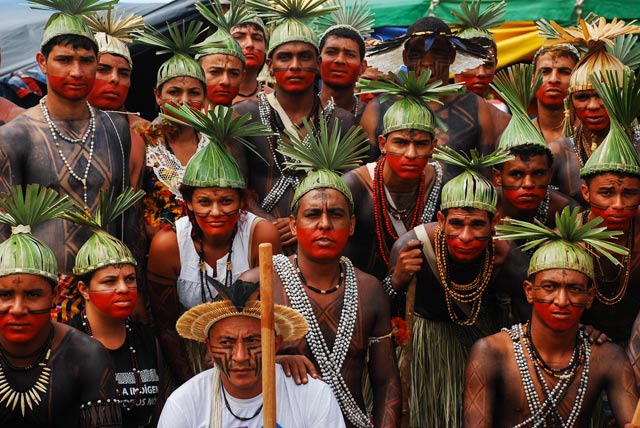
(170,145)
(106,278)
(214,243)
(51,375)
(562,375)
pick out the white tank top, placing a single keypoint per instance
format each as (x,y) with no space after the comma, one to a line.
(189,288)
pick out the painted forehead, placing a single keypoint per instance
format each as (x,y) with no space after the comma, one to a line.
(330,198)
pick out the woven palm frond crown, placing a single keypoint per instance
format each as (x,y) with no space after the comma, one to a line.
(67,17)
(102,249)
(221,42)
(113,32)
(214,166)
(595,35)
(352,15)
(470,189)
(473,23)
(292,20)
(517,86)
(180,42)
(621,98)
(412,110)
(22,209)
(567,247)
(323,156)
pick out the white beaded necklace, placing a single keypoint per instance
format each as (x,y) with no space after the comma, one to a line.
(90,133)
(330,362)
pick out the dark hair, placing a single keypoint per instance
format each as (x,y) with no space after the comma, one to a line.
(560,50)
(253,25)
(345,33)
(526,152)
(77,42)
(467,209)
(429,23)
(486,43)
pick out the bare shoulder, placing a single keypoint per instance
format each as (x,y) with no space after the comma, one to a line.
(492,348)
(367,282)
(252,275)
(164,240)
(608,356)
(247,106)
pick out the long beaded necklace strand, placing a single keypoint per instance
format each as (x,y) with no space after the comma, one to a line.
(316,289)
(240,418)
(228,278)
(466,293)
(553,397)
(90,132)
(32,397)
(134,360)
(330,362)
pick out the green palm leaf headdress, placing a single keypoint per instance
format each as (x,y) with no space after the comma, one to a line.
(470,189)
(353,15)
(291,18)
(22,209)
(412,110)
(473,23)
(180,42)
(621,99)
(67,17)
(113,32)
(323,156)
(214,166)
(571,246)
(103,249)
(517,86)
(221,42)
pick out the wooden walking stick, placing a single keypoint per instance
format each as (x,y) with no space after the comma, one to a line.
(405,373)
(636,415)
(267,337)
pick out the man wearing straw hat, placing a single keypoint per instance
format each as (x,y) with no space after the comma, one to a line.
(230,394)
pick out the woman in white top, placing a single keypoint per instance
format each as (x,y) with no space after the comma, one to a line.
(214,243)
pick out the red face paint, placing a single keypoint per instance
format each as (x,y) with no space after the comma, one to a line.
(116,305)
(294,81)
(525,199)
(551,95)
(323,244)
(218,225)
(365,98)
(23,329)
(222,95)
(557,318)
(71,89)
(614,219)
(339,75)
(406,169)
(254,58)
(107,96)
(594,120)
(479,85)
(196,106)
(465,252)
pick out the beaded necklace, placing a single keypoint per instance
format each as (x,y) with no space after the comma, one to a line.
(330,361)
(240,418)
(228,278)
(316,289)
(472,292)
(540,412)
(580,145)
(134,360)
(90,132)
(32,397)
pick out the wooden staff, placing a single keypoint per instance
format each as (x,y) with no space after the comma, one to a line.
(268,337)
(636,415)
(405,373)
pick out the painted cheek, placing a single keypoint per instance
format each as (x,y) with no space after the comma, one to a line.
(218,225)
(545,312)
(524,199)
(222,95)
(407,169)
(254,58)
(466,251)
(339,74)
(554,98)
(197,106)
(614,219)
(116,305)
(331,248)
(107,96)
(72,89)
(599,125)
(365,98)
(25,328)
(477,85)
(298,81)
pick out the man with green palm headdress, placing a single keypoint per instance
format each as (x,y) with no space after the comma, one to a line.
(292,59)
(458,292)
(51,375)
(65,143)
(344,306)
(561,374)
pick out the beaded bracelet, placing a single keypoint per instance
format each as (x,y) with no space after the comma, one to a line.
(388,287)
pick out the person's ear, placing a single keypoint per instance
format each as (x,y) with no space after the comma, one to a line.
(156,94)
(42,62)
(84,290)
(497,177)
(496,220)
(363,66)
(584,189)
(382,141)
(441,220)
(292,224)
(352,225)
(592,296)
(528,291)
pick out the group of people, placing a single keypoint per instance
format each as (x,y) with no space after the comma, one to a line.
(129,278)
